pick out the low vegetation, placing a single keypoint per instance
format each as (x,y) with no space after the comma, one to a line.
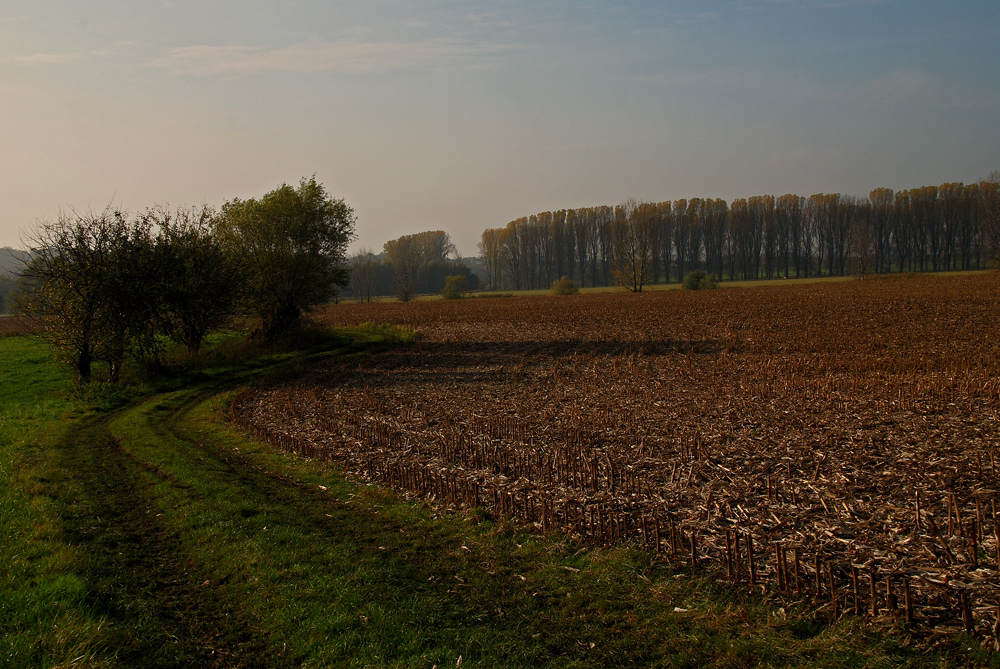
(565,286)
(455,287)
(699,280)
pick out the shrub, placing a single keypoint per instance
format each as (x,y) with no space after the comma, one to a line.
(698,280)
(455,287)
(692,280)
(565,286)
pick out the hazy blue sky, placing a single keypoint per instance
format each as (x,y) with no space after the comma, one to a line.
(465,115)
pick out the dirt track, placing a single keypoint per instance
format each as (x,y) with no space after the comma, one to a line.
(164,608)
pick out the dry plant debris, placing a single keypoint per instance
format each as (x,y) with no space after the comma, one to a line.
(835,443)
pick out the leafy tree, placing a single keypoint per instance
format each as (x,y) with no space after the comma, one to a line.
(132,299)
(197,280)
(291,245)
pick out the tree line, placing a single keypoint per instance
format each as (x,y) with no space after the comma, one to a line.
(408,266)
(113,286)
(947,227)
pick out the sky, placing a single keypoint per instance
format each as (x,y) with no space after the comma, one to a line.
(463,115)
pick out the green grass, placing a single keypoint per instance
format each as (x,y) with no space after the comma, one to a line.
(142,531)
(44,619)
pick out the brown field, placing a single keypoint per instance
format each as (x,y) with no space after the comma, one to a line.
(828,443)
(11,325)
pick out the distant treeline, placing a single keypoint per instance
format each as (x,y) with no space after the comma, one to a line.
(947,227)
(11,263)
(8,292)
(411,265)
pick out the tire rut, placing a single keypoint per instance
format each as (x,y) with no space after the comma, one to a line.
(162,608)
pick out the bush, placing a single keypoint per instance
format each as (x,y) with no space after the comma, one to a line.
(455,287)
(565,286)
(698,280)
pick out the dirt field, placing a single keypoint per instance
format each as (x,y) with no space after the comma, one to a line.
(11,325)
(832,443)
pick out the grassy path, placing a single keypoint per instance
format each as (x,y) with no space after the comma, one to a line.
(152,535)
(342,575)
(161,609)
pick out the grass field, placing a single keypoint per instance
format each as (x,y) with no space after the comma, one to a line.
(140,529)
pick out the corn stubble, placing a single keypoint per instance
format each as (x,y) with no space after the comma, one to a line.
(829,444)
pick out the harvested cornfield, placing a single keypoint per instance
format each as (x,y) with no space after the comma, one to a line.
(831,443)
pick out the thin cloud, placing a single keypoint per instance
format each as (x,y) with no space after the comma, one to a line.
(61,58)
(349,57)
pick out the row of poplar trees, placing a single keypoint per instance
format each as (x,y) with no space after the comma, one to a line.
(112,286)
(951,226)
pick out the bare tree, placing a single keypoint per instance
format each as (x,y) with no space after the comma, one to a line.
(87,289)
(880,211)
(632,239)
(789,211)
(902,229)
(364,274)
(864,238)
(434,245)
(928,238)
(681,230)
(989,207)
(747,235)
(715,216)
(403,255)
(491,256)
